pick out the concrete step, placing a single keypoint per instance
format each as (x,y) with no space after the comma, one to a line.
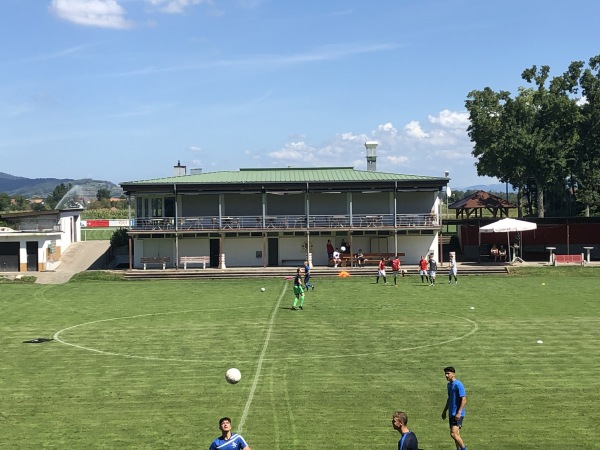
(269,272)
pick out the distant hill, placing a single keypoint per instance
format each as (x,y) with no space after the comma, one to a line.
(42,187)
(501,187)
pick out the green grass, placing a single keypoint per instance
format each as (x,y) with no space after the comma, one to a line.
(97,234)
(141,364)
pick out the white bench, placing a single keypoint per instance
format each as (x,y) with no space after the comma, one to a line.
(185,260)
(163,260)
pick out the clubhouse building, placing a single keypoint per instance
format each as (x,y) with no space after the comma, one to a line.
(282,217)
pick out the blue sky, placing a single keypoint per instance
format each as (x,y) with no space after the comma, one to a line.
(121,90)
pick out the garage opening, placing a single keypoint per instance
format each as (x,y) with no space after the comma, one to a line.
(9,256)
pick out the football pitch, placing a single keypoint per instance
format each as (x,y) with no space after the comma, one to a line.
(141,364)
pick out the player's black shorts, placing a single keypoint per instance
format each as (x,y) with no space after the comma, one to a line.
(454,422)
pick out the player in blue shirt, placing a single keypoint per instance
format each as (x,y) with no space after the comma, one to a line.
(307,285)
(228,440)
(455,406)
(408,441)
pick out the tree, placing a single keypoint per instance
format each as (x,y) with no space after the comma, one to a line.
(19,203)
(38,207)
(119,238)
(4,201)
(587,165)
(57,195)
(499,126)
(102,194)
(527,140)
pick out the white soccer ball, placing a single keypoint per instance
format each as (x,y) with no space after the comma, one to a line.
(262,289)
(233,376)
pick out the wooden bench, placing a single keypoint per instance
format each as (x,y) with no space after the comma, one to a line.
(185,260)
(163,260)
(577,259)
(374,258)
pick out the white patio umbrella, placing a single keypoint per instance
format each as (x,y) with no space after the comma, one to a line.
(507,226)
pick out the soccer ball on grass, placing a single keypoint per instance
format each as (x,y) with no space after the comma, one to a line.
(233,376)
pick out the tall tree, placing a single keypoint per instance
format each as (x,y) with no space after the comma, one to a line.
(57,194)
(526,140)
(588,161)
(103,193)
(500,128)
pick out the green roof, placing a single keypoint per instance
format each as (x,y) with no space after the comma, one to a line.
(286,175)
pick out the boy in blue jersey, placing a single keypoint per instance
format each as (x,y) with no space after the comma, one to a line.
(408,441)
(228,440)
(307,285)
(455,406)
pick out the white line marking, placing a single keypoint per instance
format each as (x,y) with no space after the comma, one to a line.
(396,350)
(57,338)
(261,359)
(123,355)
(290,410)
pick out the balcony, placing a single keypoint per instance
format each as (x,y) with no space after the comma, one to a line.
(287,222)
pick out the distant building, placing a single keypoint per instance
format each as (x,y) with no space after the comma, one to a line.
(35,241)
(473,206)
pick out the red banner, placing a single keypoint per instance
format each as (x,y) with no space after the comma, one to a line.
(97,223)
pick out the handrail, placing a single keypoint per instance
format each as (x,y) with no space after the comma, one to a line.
(287,222)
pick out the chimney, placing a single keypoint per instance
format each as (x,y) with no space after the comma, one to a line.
(179,170)
(371,147)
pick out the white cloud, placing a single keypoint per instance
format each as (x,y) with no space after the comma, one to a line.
(451,119)
(195,148)
(265,62)
(413,129)
(388,128)
(94,13)
(397,160)
(424,149)
(175,6)
(53,55)
(295,151)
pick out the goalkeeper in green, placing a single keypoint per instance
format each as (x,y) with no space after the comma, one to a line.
(298,291)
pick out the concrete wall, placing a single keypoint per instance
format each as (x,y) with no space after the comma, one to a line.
(242,251)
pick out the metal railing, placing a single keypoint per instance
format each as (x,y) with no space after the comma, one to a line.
(287,222)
